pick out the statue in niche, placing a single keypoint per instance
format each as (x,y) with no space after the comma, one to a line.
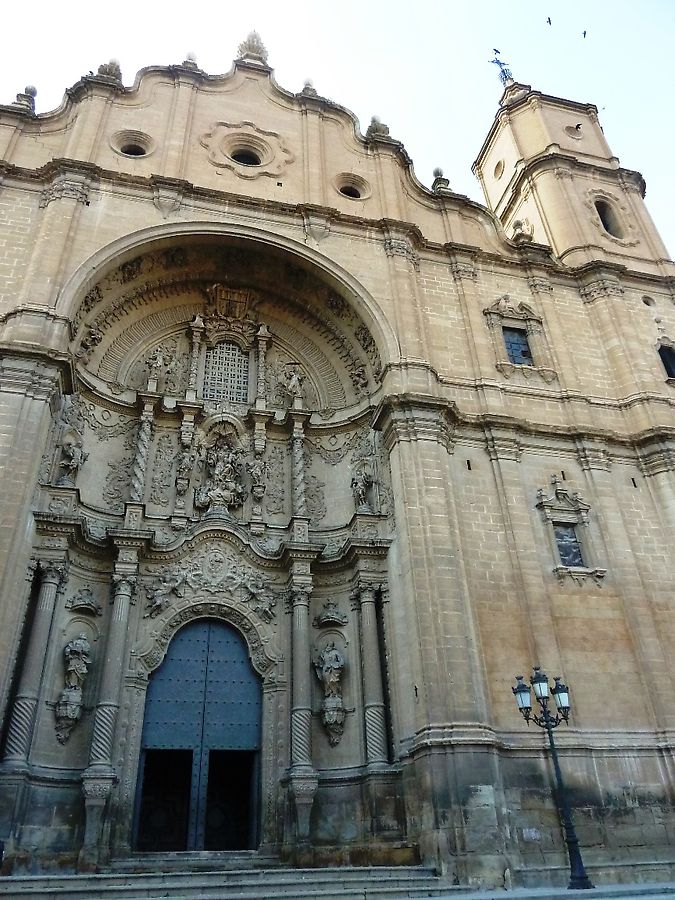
(294,379)
(159,593)
(329,664)
(362,482)
(185,463)
(223,490)
(68,710)
(74,458)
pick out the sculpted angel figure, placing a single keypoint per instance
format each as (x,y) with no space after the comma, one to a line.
(77,654)
(329,665)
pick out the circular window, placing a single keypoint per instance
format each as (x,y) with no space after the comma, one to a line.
(648,301)
(499,169)
(574,131)
(132,143)
(352,186)
(246,157)
(133,150)
(350,191)
(610,218)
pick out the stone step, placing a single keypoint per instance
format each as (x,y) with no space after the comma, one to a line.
(328,884)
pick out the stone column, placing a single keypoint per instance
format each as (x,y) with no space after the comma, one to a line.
(303,778)
(262,339)
(99,777)
(371,672)
(196,333)
(298,485)
(52,575)
(140,465)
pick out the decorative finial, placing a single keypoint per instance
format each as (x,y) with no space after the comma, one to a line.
(309,89)
(377,128)
(505,75)
(252,48)
(27,99)
(190,61)
(439,182)
(111,70)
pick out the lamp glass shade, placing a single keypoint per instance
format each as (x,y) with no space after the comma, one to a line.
(522,694)
(561,695)
(539,682)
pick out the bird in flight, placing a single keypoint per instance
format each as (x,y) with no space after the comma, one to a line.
(495,51)
(548,21)
(584,34)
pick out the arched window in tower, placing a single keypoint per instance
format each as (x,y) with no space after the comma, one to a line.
(667,355)
(609,218)
(226,373)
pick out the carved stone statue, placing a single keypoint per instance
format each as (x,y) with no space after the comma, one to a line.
(223,490)
(159,593)
(362,481)
(329,665)
(258,470)
(77,657)
(185,463)
(293,381)
(74,457)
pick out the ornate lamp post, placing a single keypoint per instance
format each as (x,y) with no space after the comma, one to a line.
(579,880)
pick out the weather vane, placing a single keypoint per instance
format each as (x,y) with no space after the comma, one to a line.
(504,72)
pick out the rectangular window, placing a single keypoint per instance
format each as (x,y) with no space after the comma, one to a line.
(517,346)
(569,546)
(667,355)
(226,373)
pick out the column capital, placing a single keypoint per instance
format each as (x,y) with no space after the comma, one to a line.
(52,571)
(416,417)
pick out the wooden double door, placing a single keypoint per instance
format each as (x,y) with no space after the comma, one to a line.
(200,748)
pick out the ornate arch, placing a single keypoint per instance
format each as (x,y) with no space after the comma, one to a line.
(124,250)
(209,608)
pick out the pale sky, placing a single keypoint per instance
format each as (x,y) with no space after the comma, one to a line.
(422,66)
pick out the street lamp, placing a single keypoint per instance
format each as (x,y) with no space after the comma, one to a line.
(579,880)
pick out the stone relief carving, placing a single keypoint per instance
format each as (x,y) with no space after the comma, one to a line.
(163,368)
(276,491)
(85,602)
(170,581)
(118,483)
(315,498)
(223,490)
(185,465)
(91,339)
(329,615)
(329,664)
(68,710)
(161,481)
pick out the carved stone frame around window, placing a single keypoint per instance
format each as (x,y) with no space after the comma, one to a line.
(504,313)
(563,507)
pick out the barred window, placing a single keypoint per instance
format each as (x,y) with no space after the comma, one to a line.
(226,373)
(568,543)
(517,346)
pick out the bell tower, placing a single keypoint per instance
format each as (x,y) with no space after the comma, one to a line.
(547,171)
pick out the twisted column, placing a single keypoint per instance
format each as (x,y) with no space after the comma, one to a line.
(100,754)
(23,712)
(141,458)
(371,670)
(262,338)
(298,487)
(196,332)
(301,712)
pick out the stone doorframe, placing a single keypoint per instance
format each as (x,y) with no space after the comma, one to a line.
(132,711)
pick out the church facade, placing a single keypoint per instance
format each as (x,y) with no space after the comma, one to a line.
(303,462)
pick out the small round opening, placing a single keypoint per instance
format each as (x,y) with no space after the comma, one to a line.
(246,157)
(350,191)
(648,301)
(133,150)
(499,169)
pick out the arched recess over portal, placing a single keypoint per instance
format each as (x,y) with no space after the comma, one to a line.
(155,280)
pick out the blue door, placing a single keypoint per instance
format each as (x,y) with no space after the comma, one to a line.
(200,745)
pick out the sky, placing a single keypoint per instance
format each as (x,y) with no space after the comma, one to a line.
(422,67)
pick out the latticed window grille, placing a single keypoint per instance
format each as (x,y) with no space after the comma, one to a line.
(226,373)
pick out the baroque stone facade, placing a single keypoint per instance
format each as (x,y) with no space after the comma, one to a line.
(404,446)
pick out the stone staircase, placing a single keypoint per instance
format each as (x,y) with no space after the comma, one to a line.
(344,883)
(130,881)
